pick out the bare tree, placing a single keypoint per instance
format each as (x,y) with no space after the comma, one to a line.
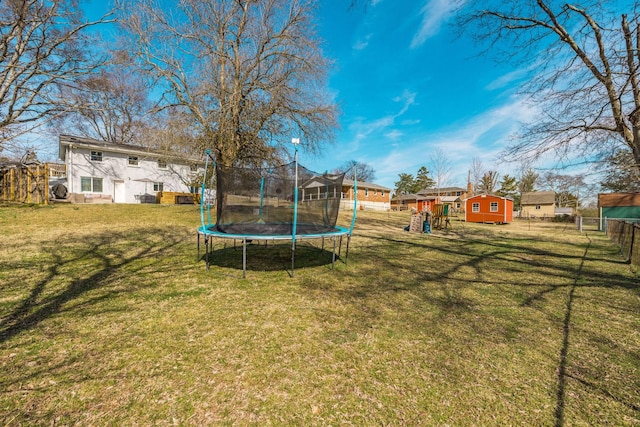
(360,170)
(489,182)
(566,187)
(43,45)
(441,166)
(584,71)
(476,173)
(110,105)
(250,74)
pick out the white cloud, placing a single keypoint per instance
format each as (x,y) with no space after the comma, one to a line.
(483,136)
(361,44)
(394,134)
(363,129)
(434,14)
(505,79)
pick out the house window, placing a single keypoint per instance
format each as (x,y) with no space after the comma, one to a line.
(382,192)
(133,160)
(475,207)
(366,192)
(458,193)
(162,164)
(458,204)
(537,207)
(96,156)
(90,184)
(157,186)
(494,207)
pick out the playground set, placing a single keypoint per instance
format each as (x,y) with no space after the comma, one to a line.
(425,221)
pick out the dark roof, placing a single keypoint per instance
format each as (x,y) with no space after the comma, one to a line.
(95,144)
(363,184)
(618,199)
(538,198)
(411,196)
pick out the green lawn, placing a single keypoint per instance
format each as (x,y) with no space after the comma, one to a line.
(107,318)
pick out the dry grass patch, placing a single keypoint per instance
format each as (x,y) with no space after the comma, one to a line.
(107,318)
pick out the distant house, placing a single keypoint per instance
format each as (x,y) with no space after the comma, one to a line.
(452,196)
(618,206)
(103,172)
(420,203)
(488,208)
(370,196)
(538,204)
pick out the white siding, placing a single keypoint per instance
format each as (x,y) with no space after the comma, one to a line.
(115,167)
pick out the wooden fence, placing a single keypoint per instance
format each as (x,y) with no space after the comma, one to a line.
(25,184)
(627,235)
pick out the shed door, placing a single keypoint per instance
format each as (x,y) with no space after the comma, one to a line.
(119,192)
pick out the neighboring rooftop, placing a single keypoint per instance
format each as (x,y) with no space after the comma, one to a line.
(538,198)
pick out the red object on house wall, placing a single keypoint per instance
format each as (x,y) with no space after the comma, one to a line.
(488,208)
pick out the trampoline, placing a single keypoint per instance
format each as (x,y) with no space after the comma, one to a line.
(286,202)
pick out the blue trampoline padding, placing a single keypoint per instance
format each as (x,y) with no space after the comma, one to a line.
(211,231)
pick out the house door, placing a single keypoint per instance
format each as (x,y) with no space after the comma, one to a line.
(119,192)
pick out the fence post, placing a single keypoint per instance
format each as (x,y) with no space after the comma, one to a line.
(631,240)
(45,190)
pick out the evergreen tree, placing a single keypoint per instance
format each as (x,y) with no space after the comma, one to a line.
(423,180)
(621,174)
(406,184)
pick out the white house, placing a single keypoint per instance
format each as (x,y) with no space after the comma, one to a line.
(98,171)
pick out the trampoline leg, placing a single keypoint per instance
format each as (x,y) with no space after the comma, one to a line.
(206,251)
(346,255)
(244,258)
(198,257)
(293,259)
(333,258)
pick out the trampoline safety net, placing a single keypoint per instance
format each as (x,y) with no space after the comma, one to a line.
(261,201)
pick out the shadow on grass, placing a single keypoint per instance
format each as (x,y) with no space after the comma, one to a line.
(428,269)
(271,256)
(76,266)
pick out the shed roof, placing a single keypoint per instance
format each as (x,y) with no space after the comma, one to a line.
(538,198)
(487,195)
(618,199)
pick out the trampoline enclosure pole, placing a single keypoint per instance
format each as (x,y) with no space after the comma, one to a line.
(204,179)
(355,200)
(295,142)
(295,201)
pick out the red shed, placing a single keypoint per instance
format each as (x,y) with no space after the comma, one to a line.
(488,208)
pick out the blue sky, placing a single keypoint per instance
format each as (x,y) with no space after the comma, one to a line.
(407,86)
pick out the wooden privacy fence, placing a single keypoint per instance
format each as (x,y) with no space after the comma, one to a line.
(627,236)
(24,183)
